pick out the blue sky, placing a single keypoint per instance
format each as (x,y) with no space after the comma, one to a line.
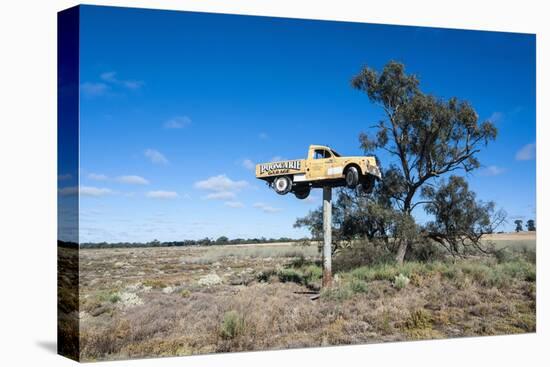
(176,107)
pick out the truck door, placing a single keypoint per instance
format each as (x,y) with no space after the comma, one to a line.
(321,161)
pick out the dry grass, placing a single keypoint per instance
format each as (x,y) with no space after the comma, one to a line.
(151,302)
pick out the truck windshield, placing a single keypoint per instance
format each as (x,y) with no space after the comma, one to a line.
(335,153)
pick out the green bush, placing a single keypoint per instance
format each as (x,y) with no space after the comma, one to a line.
(114,298)
(337,293)
(358,286)
(401,281)
(265,275)
(312,273)
(232,325)
(290,275)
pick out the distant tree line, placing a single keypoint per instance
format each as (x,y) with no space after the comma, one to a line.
(530,225)
(223,240)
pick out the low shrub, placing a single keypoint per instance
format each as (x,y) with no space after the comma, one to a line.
(401,281)
(312,273)
(232,325)
(290,275)
(265,275)
(337,293)
(358,286)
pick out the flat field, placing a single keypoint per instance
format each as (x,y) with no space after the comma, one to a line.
(142,302)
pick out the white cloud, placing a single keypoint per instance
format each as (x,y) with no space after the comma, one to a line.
(220,183)
(133,180)
(234,204)
(312,199)
(97,177)
(94,191)
(162,194)
(248,164)
(492,171)
(85,191)
(266,208)
(66,176)
(277,158)
(108,76)
(220,195)
(91,89)
(527,152)
(155,156)
(177,122)
(111,77)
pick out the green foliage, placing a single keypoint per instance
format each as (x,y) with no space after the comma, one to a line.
(114,298)
(265,275)
(358,286)
(233,325)
(460,219)
(531,225)
(312,273)
(290,275)
(339,294)
(401,281)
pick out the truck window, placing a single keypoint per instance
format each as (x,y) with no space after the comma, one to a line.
(335,153)
(321,153)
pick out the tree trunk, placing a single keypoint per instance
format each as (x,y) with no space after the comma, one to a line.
(401,251)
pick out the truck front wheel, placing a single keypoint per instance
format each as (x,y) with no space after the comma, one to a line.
(352,177)
(282,185)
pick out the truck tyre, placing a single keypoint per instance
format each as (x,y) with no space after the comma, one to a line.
(282,185)
(352,177)
(367,185)
(302,192)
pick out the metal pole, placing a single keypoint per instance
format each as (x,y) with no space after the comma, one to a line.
(327,237)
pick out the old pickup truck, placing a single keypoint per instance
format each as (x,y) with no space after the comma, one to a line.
(322,167)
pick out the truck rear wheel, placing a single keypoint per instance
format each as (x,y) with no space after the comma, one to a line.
(282,185)
(352,177)
(302,192)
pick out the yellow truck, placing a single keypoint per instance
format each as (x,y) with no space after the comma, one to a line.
(322,167)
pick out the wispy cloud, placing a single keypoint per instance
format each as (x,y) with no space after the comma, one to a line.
(277,158)
(496,117)
(97,177)
(155,156)
(234,204)
(220,195)
(248,164)
(492,171)
(178,122)
(111,77)
(527,152)
(263,136)
(220,183)
(160,194)
(266,208)
(91,89)
(85,191)
(132,180)
(65,176)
